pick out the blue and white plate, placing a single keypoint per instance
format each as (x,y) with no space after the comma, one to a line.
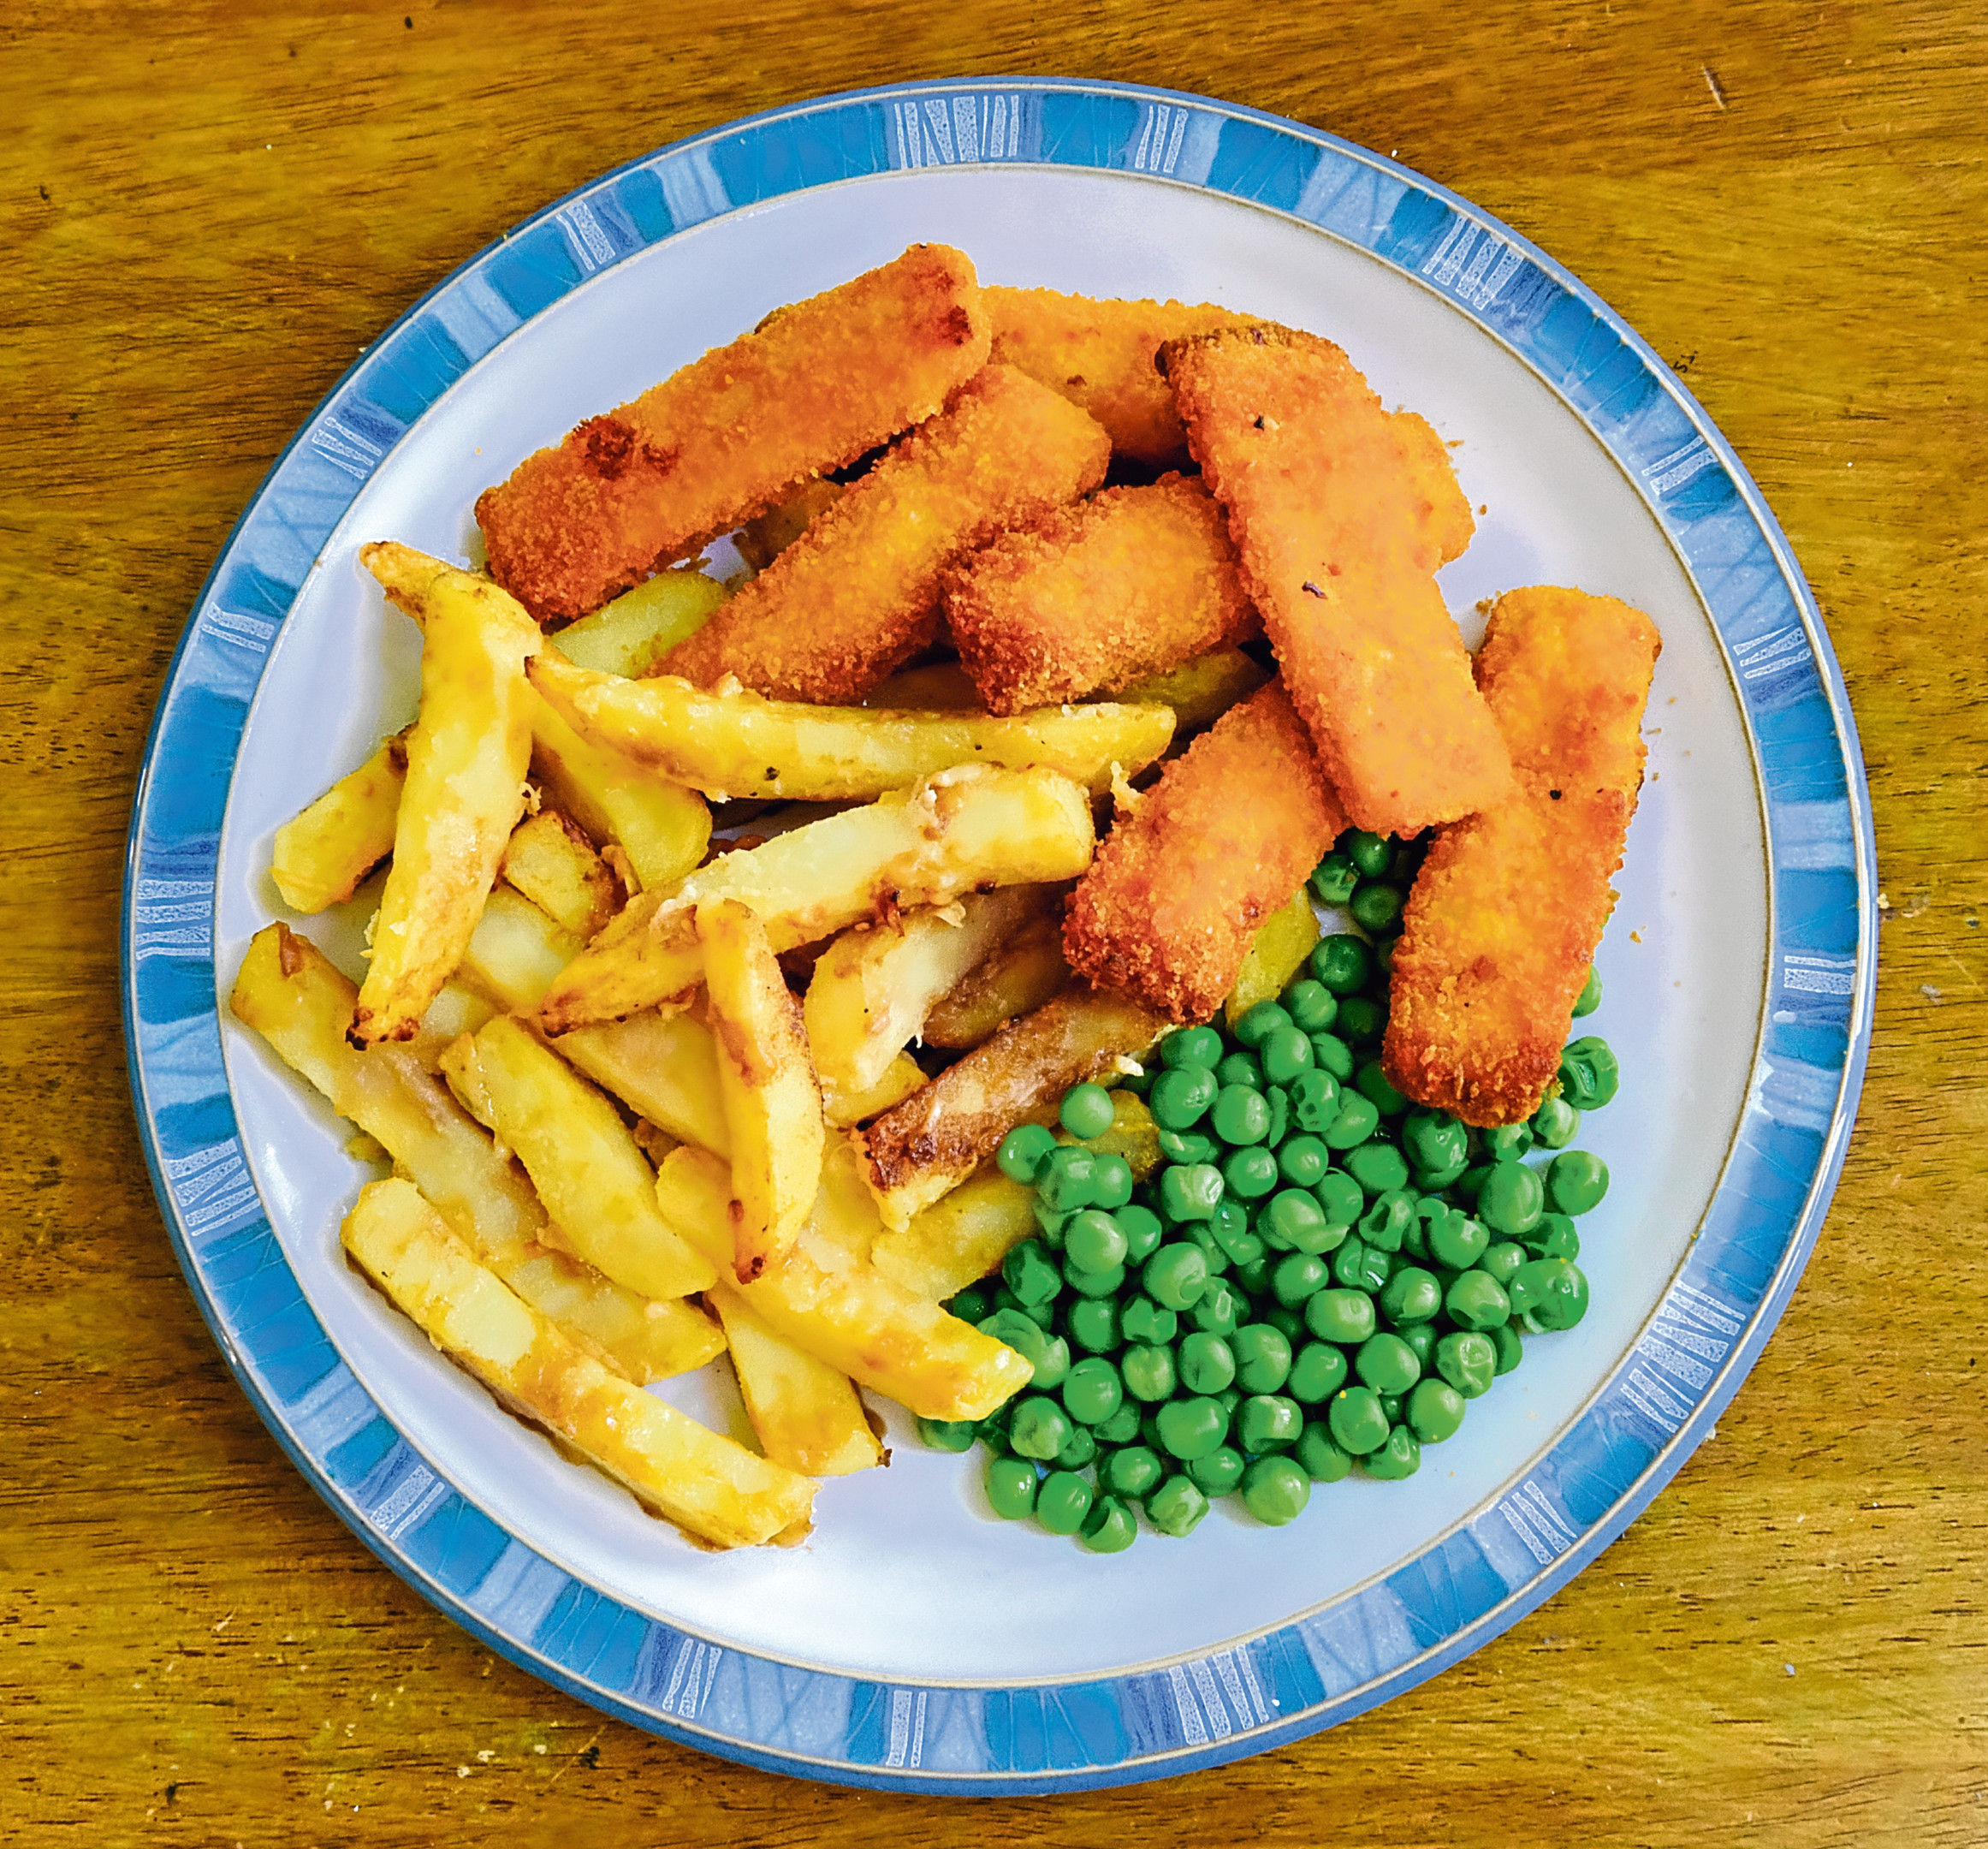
(917,1643)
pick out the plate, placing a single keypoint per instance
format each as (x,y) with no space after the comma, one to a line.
(917,1643)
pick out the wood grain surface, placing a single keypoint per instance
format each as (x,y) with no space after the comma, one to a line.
(209,208)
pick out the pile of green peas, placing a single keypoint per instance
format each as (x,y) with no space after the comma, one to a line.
(1319,1275)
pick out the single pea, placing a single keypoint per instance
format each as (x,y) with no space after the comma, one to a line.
(1510,1350)
(1390,1407)
(1294,1221)
(1092,1241)
(1477,1301)
(1345,1317)
(1435,1411)
(1010,1487)
(1576,1181)
(1190,1046)
(1554,1237)
(1505,1143)
(1142,1228)
(1312,1006)
(1122,1427)
(1142,1320)
(1358,1266)
(1411,1295)
(1241,1116)
(1092,1391)
(1285,1054)
(1279,1097)
(1470,1184)
(1317,1372)
(1380,1170)
(1501,1259)
(1205,1364)
(1176,1276)
(1248,1174)
(972,1305)
(1333,1056)
(1022,1152)
(1093,1325)
(1229,1226)
(1323,1461)
(1333,879)
(1421,1336)
(1556,1123)
(1181,1095)
(1339,1197)
(1219,1472)
(1134,1471)
(1191,1429)
(1063,1180)
(1256,1025)
(1361,1019)
(1063,1502)
(1253,1279)
(1399,1456)
(1111,1181)
(1375,905)
(1459,1241)
(1109,1528)
(1468,1361)
(1386,1363)
(948,1434)
(1038,1427)
(1434,1181)
(1263,1354)
(1019,1331)
(1297,1278)
(1590,997)
(1147,1372)
(1434,1140)
(1513,1199)
(1079,1450)
(1275,1490)
(1189,1147)
(1176,1507)
(1342,963)
(1098,1284)
(1240,1068)
(1315,1098)
(1385,1224)
(1550,1294)
(1358,1119)
(1217,1311)
(1086,1110)
(1372,854)
(1358,1425)
(1268,1422)
(1589,1075)
(1303,1161)
(1288,1323)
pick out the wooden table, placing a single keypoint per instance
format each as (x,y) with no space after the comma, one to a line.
(209,209)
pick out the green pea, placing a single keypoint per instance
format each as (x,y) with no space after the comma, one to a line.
(1038,1427)
(1386,1363)
(1241,1116)
(1190,1046)
(1502,1259)
(1576,1181)
(1288,1322)
(1477,1301)
(1010,1487)
(1063,1502)
(1142,1228)
(993,1431)
(1375,905)
(1372,854)
(1421,1336)
(1176,1276)
(1470,1184)
(1192,1147)
(1588,1074)
(1315,1098)
(1297,1278)
(1079,1450)
(1339,1197)
(1240,1068)
(1263,1354)
(1217,1311)
(948,1434)
(1358,1425)
(1345,1317)
(1181,1095)
(1513,1199)
(1133,1471)
(1019,1331)
(1065,1180)
(972,1305)
(1176,1507)
(1109,1528)
(1590,997)
(1511,1351)
(1342,963)
(1191,1191)
(1147,1372)
(1279,1097)
(1468,1361)
(1142,1320)
(1323,1461)
(1303,1161)
(1399,1456)
(1092,1241)
(1411,1295)
(1250,1173)
(1317,1372)
(1333,1056)
(1357,1120)
(1554,1237)
(1333,879)
(1268,1422)
(1086,1110)
(1434,1139)
(1435,1411)
(1205,1364)
(1556,1123)
(1550,1294)
(1457,1242)
(1122,1427)
(1111,1182)
(1191,1429)
(1253,1279)
(1312,1006)
(1285,1054)
(1219,1472)
(1229,1227)
(1100,1284)
(1257,1024)
(1093,1325)
(1385,1223)
(1092,1391)
(1361,1019)
(1434,1181)
(1022,1152)
(1508,1141)
(1358,1266)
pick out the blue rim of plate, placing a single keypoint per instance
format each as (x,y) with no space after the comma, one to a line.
(1516,1550)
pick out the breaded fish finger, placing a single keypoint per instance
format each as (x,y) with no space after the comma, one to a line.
(809,389)
(1099,595)
(858,594)
(1228,834)
(1341,517)
(1510,905)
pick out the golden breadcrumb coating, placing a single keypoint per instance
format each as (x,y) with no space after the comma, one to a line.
(1225,837)
(1099,595)
(809,389)
(858,594)
(1510,905)
(1341,515)
(1099,354)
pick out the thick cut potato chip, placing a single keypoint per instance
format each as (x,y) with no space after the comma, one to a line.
(551,860)
(705,1483)
(663,1066)
(321,854)
(515,952)
(1018,979)
(630,634)
(806,1415)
